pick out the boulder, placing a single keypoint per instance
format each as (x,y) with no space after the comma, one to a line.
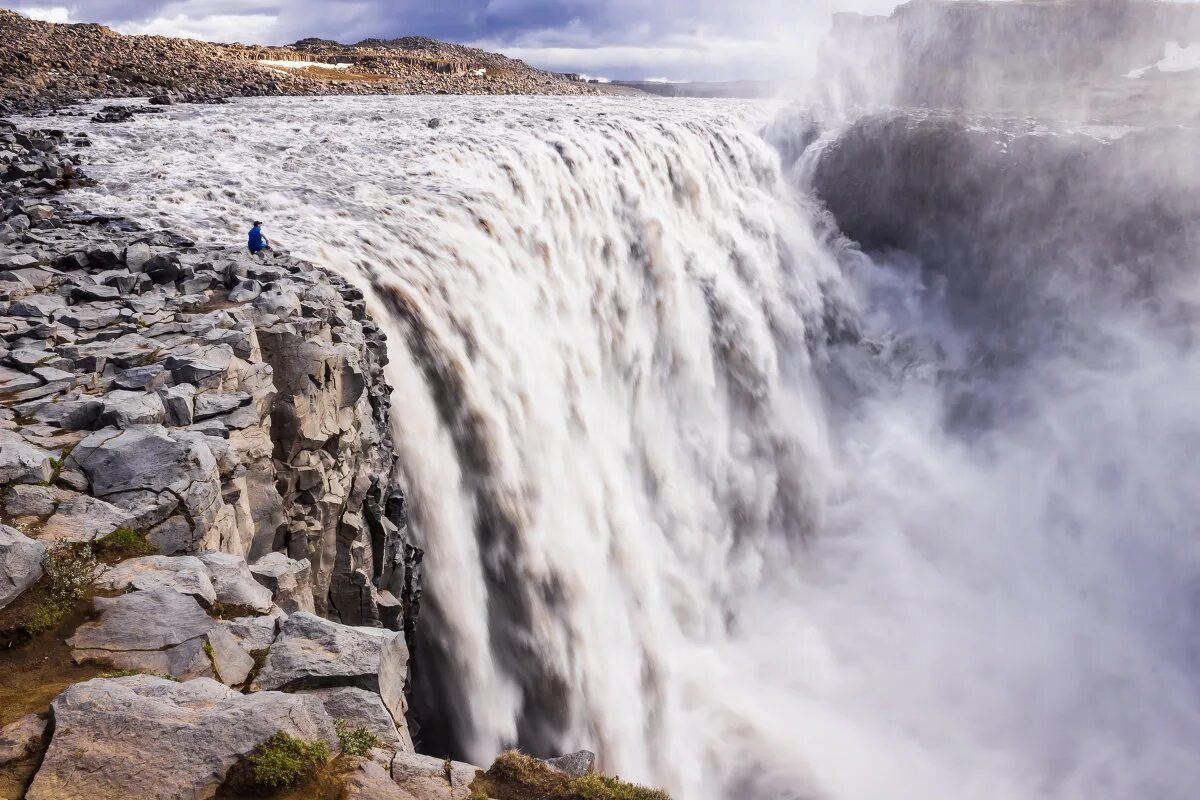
(313,653)
(369,781)
(150,472)
(363,709)
(21,738)
(184,574)
(124,409)
(576,764)
(159,630)
(147,738)
(234,582)
(231,662)
(20,563)
(288,581)
(426,776)
(84,519)
(21,462)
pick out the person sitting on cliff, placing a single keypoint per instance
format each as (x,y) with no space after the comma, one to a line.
(258,242)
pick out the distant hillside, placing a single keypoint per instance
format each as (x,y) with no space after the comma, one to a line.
(44,63)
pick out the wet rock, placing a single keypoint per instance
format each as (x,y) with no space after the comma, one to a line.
(153,739)
(20,563)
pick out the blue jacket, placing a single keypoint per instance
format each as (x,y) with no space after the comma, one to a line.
(257,240)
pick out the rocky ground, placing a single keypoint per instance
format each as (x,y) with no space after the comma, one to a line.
(206,584)
(43,64)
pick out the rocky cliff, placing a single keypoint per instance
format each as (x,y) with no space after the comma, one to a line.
(43,63)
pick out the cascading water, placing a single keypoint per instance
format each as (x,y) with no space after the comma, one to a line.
(680,461)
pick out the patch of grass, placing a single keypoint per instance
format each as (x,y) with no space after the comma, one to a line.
(129,673)
(605,787)
(355,741)
(212,659)
(282,760)
(124,543)
(221,610)
(516,776)
(71,571)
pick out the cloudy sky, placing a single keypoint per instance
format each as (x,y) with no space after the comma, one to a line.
(671,39)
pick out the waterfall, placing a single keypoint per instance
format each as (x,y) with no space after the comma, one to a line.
(680,461)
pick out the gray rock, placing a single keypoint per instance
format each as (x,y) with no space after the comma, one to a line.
(145,738)
(211,404)
(245,291)
(28,500)
(22,738)
(20,563)
(174,536)
(84,519)
(12,380)
(179,403)
(71,415)
(363,709)
(159,630)
(288,580)
(369,781)
(313,653)
(18,261)
(124,409)
(136,256)
(21,462)
(199,363)
(231,662)
(151,472)
(425,777)
(147,378)
(38,305)
(184,574)
(235,583)
(577,764)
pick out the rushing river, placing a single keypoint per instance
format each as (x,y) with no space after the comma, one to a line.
(672,510)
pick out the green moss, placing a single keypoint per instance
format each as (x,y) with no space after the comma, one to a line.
(231,611)
(125,543)
(355,741)
(282,760)
(604,787)
(212,658)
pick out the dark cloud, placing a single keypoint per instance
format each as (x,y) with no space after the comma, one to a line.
(623,38)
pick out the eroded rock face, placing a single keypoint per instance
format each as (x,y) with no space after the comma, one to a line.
(147,738)
(425,776)
(363,709)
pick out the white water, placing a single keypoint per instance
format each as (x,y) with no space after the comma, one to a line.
(649,531)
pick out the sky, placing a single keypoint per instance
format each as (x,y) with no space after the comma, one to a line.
(619,39)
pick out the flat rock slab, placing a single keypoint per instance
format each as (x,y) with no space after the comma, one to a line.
(158,631)
(84,519)
(20,563)
(22,462)
(184,574)
(146,738)
(314,653)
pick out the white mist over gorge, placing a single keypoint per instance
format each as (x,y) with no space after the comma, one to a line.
(835,446)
